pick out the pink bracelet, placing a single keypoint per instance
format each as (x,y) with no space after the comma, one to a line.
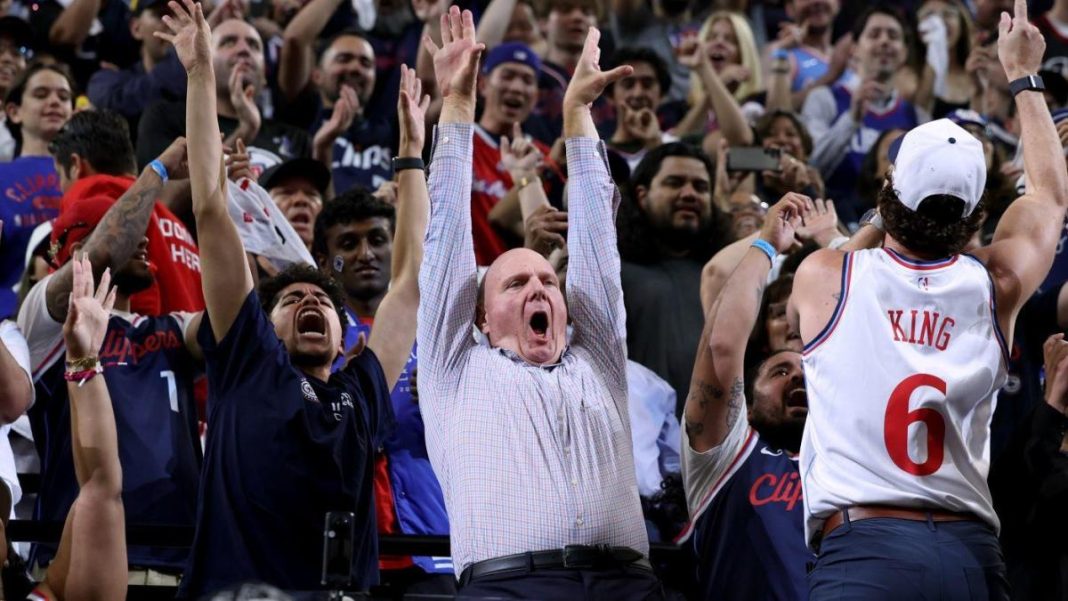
(81,377)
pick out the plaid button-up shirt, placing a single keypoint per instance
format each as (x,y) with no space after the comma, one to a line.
(529,458)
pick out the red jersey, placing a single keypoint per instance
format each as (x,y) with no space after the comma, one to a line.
(490,183)
(171,250)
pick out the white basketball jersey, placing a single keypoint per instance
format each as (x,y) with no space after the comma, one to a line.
(902,384)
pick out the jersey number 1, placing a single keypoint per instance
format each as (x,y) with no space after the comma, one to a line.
(899,418)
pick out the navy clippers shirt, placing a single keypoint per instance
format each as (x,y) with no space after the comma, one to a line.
(747,515)
(363,155)
(283,449)
(149,374)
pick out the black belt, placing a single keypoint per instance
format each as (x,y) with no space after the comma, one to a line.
(571,557)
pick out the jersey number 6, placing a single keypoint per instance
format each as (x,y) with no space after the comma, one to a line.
(899,418)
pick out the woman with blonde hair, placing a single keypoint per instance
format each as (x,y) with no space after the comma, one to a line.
(728,42)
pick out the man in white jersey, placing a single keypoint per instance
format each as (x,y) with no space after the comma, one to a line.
(905,353)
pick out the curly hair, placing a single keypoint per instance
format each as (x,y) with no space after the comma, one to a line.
(636,234)
(935,229)
(354,205)
(302,274)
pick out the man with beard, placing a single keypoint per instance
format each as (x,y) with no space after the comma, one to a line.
(158,75)
(668,229)
(740,467)
(149,361)
(529,432)
(636,100)
(508,86)
(269,362)
(355,145)
(238,60)
(846,119)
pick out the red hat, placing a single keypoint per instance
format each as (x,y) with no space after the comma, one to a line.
(75,222)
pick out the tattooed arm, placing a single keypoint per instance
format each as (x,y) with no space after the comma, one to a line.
(120,232)
(716,396)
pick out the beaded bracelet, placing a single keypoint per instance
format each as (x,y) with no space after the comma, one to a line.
(83,363)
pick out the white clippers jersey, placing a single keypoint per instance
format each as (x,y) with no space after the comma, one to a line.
(902,384)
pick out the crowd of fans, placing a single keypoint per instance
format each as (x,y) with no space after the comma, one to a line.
(323,107)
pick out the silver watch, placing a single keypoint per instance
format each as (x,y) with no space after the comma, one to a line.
(874,219)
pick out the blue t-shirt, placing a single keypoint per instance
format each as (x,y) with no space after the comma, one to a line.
(363,155)
(149,373)
(30,197)
(283,449)
(749,532)
(418,504)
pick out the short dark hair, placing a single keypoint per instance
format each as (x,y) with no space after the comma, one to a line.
(751,374)
(882,8)
(301,273)
(100,137)
(18,88)
(640,54)
(542,8)
(635,234)
(356,204)
(936,229)
(325,44)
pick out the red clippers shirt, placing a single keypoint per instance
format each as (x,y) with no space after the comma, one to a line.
(490,183)
(171,250)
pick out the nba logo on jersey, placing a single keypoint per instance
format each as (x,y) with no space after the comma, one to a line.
(923,282)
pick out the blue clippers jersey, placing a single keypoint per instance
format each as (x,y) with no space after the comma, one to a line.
(283,449)
(363,155)
(417,499)
(749,531)
(149,375)
(842,183)
(30,196)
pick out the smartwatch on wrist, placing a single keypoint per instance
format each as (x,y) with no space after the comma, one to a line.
(1025,83)
(402,163)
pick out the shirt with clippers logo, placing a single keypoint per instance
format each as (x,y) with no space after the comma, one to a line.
(31,195)
(283,449)
(149,374)
(746,518)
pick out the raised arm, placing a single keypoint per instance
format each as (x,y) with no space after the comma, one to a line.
(394,330)
(16,388)
(297,58)
(732,123)
(716,399)
(594,292)
(117,236)
(1027,235)
(225,275)
(72,26)
(91,561)
(447,280)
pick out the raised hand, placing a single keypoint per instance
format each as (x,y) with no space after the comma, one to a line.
(819,223)
(456,62)
(589,82)
(411,110)
(344,113)
(176,159)
(1055,353)
(243,97)
(1020,44)
(87,318)
(544,230)
(783,220)
(692,53)
(642,124)
(189,34)
(238,163)
(519,156)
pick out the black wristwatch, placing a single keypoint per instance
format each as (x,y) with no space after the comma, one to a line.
(401,163)
(1027,82)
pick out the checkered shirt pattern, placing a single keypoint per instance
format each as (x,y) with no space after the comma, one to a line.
(529,458)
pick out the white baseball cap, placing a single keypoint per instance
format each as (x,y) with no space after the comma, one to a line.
(938,157)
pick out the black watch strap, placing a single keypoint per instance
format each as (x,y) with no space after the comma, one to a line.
(1027,82)
(401,163)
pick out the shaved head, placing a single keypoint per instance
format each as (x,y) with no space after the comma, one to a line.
(521,307)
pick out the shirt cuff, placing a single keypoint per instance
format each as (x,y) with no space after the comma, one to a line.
(453,140)
(586,155)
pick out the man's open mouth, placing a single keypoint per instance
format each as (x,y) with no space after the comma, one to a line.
(539,323)
(798,397)
(311,321)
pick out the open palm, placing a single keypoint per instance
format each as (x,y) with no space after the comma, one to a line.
(87,319)
(456,62)
(189,34)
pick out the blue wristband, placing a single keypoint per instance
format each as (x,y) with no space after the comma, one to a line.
(765,248)
(160,170)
